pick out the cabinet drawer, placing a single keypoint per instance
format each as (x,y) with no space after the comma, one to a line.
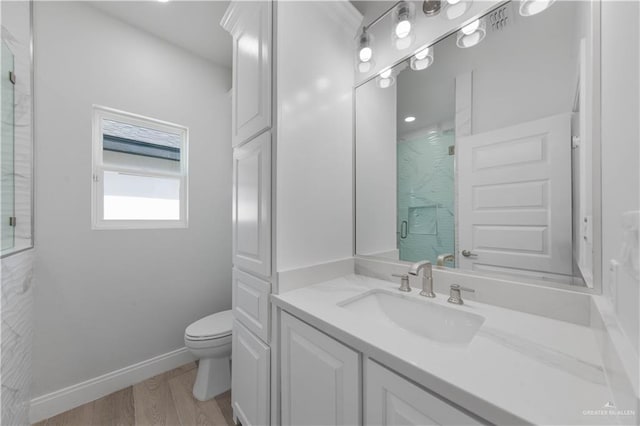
(392,400)
(251,303)
(250,386)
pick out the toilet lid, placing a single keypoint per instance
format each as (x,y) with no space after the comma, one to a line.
(216,325)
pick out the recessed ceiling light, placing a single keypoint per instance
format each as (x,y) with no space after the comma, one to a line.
(163,1)
(409,119)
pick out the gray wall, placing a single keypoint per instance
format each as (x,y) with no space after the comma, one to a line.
(109,299)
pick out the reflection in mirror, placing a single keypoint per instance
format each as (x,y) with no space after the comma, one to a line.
(480,148)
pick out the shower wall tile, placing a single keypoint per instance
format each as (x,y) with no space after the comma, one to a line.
(17,336)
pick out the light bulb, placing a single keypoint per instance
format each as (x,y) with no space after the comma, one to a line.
(386,73)
(364,67)
(471,28)
(365,54)
(409,119)
(423,53)
(385,83)
(454,9)
(403,28)
(471,34)
(533,7)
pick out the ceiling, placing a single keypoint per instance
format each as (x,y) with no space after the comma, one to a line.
(191,25)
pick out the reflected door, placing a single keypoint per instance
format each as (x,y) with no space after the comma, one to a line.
(515,199)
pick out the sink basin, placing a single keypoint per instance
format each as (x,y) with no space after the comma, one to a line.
(421,317)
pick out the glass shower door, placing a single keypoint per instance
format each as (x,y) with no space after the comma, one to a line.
(426,213)
(7,111)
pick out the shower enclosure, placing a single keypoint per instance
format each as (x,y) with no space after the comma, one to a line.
(426,193)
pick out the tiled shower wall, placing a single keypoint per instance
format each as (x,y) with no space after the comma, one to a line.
(17,336)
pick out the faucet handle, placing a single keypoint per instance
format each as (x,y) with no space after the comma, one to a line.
(455,296)
(458,287)
(404,282)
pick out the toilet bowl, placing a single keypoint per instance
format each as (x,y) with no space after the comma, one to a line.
(209,339)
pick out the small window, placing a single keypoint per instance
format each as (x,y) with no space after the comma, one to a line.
(139,172)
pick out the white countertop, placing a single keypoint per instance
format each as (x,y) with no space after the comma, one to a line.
(518,368)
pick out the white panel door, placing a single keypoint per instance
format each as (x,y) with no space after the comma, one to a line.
(249,378)
(514,198)
(251,303)
(251,31)
(390,400)
(320,377)
(252,206)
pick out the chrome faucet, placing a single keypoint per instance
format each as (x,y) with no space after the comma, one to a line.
(427,277)
(445,258)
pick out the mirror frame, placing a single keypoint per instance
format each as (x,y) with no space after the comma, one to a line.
(595,65)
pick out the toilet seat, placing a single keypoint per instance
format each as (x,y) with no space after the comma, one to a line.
(213,327)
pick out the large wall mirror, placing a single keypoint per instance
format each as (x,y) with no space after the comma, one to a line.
(479,152)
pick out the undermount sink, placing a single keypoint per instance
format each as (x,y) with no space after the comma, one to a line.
(422,317)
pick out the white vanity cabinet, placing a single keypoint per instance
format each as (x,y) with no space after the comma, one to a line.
(250,383)
(390,400)
(252,206)
(320,377)
(324,382)
(250,24)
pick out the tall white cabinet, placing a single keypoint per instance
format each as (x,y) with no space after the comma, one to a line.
(265,118)
(250,25)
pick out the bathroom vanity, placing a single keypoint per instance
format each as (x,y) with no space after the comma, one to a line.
(476,146)
(379,356)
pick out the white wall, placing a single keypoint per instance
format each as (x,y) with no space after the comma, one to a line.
(109,299)
(620,157)
(314,135)
(376,170)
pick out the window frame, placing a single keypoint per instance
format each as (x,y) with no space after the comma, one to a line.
(98,169)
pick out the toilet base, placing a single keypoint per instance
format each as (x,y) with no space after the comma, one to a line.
(214,378)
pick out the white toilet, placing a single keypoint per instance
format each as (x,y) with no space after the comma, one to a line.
(209,339)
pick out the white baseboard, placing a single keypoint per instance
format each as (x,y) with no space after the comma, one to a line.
(57,402)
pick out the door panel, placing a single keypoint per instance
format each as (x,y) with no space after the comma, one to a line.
(320,377)
(252,206)
(391,400)
(514,199)
(249,378)
(251,70)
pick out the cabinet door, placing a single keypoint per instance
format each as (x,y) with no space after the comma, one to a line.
(251,303)
(251,69)
(392,400)
(320,377)
(252,206)
(249,378)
